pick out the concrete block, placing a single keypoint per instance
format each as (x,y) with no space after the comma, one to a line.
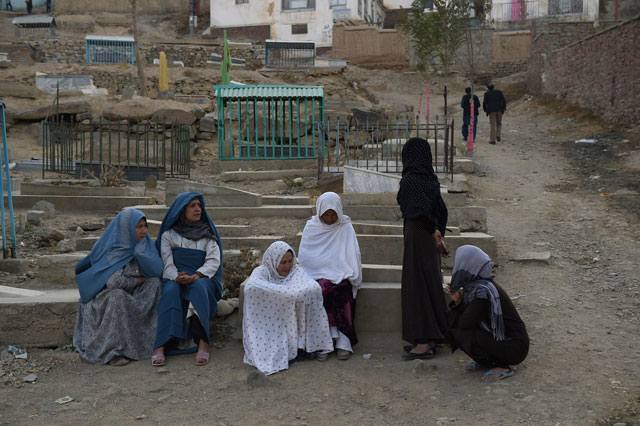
(379,308)
(533,257)
(53,315)
(381,273)
(34,217)
(377,228)
(369,181)
(214,196)
(468,219)
(14,266)
(59,268)
(463,165)
(262,175)
(389,198)
(459,184)
(379,213)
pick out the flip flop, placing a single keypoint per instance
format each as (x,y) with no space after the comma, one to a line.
(501,375)
(473,366)
(158,360)
(201,355)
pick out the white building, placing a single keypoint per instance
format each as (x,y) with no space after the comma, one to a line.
(566,10)
(294,20)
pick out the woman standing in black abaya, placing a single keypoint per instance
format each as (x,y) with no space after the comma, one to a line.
(424,322)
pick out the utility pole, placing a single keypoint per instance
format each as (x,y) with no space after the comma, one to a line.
(192,17)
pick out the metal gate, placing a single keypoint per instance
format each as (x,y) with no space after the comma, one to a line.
(71,147)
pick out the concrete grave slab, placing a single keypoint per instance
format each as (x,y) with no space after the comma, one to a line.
(214,196)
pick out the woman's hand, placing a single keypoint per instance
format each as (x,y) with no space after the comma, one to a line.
(184,279)
(441,244)
(456,296)
(141,280)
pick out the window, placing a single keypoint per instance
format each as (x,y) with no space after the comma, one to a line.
(337,3)
(359,7)
(299,29)
(298,4)
(561,7)
(242,1)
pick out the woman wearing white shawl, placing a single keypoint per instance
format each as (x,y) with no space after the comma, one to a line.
(282,313)
(330,253)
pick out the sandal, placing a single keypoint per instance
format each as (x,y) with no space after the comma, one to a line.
(119,361)
(158,360)
(501,375)
(202,358)
(473,366)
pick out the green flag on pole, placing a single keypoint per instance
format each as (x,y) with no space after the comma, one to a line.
(226,62)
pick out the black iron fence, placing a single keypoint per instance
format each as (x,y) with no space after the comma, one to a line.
(378,146)
(139,149)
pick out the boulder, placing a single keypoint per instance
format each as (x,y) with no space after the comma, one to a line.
(208,123)
(366,115)
(33,129)
(48,208)
(173,116)
(65,246)
(205,136)
(197,111)
(18,90)
(166,94)
(128,110)
(128,93)
(34,217)
(44,111)
(49,234)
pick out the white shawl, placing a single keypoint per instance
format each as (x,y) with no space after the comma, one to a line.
(331,251)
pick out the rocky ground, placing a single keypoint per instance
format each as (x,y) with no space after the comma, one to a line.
(543,192)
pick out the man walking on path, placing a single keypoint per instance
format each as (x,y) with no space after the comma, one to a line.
(494,104)
(465,103)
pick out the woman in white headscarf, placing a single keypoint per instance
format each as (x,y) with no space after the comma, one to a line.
(283,317)
(330,253)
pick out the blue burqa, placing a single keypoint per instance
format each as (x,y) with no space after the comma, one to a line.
(203,293)
(115,248)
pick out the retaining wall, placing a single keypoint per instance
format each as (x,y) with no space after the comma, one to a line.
(599,72)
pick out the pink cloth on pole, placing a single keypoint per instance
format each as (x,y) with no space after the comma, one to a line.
(471,129)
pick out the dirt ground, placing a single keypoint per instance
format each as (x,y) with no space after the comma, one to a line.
(542,192)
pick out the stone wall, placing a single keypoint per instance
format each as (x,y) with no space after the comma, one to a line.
(510,46)
(600,72)
(368,46)
(191,55)
(118,6)
(547,37)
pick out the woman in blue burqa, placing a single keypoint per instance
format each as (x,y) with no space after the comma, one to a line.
(192,279)
(119,284)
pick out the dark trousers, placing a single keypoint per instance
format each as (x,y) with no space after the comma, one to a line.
(8,6)
(466,120)
(29,7)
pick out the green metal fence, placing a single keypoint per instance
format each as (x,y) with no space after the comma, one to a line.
(269,122)
(76,148)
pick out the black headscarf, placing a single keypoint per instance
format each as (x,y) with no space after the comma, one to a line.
(196,230)
(419,194)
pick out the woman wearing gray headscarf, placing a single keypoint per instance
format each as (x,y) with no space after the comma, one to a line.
(483,321)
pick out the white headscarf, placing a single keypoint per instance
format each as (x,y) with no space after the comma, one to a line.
(271,260)
(331,251)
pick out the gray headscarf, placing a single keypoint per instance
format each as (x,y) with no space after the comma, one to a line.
(472,272)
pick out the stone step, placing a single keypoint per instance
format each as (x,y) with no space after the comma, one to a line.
(49,187)
(285,200)
(155,212)
(390,228)
(388,249)
(469,218)
(225,231)
(79,203)
(389,198)
(262,175)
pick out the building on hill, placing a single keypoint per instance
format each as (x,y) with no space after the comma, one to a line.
(564,10)
(290,20)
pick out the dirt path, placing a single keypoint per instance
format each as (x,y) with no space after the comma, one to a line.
(581,312)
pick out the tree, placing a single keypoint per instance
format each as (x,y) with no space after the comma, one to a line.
(438,34)
(142,81)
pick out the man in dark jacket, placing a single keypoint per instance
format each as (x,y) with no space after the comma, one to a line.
(494,104)
(465,103)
